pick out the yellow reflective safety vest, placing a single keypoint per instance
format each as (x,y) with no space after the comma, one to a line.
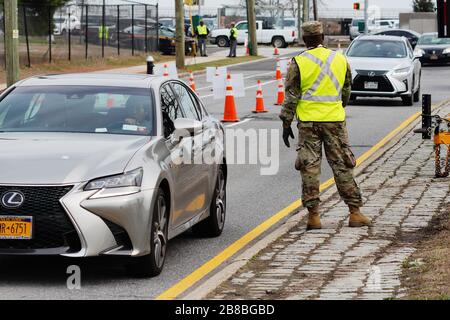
(233,33)
(322,74)
(202,30)
(103,31)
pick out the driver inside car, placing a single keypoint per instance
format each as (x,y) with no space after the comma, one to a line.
(137,111)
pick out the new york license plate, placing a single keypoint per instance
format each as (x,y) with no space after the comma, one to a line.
(370,85)
(15,227)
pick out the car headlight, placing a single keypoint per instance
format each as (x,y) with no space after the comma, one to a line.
(419,52)
(401,70)
(127,179)
(446,51)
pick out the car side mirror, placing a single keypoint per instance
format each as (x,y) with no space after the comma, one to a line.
(185,128)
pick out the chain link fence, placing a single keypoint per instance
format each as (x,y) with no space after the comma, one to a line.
(50,34)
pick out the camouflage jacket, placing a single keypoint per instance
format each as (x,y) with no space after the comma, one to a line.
(294,94)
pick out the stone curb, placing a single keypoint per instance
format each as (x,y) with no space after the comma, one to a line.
(201,291)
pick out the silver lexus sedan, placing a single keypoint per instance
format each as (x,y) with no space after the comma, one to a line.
(384,66)
(107,164)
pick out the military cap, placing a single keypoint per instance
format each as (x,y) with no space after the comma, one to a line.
(312,28)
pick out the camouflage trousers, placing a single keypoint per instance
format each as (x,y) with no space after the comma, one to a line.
(334,138)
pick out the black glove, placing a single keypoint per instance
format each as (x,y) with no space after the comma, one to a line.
(287,132)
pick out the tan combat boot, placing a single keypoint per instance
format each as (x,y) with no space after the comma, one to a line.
(313,218)
(357,219)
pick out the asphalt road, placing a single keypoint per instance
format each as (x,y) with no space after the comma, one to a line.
(251,198)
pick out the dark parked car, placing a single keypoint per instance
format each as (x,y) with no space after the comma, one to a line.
(431,49)
(412,36)
(166,39)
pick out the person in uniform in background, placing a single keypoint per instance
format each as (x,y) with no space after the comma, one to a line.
(233,40)
(318,87)
(202,32)
(103,33)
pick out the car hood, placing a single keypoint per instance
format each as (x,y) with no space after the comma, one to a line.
(357,63)
(64,158)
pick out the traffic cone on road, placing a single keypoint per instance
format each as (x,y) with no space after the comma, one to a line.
(276,52)
(192,81)
(259,100)
(229,114)
(278,74)
(166,71)
(110,101)
(280,98)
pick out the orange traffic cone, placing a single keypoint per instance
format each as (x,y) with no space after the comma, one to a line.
(229,114)
(276,52)
(166,71)
(191,81)
(110,101)
(280,98)
(259,100)
(278,75)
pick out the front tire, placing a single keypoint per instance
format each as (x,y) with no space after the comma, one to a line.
(279,42)
(408,100)
(152,264)
(222,42)
(417,93)
(214,224)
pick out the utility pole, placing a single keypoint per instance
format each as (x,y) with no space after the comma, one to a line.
(366,16)
(299,20)
(179,34)
(305,11)
(11,42)
(251,19)
(315,10)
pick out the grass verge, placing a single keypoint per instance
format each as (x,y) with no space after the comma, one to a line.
(426,274)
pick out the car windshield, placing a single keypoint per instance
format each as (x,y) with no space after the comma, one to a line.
(356,22)
(430,39)
(86,109)
(377,49)
(166,32)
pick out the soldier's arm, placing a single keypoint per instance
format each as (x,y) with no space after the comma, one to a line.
(347,89)
(293,94)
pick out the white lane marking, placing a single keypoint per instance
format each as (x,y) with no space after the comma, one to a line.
(249,77)
(238,123)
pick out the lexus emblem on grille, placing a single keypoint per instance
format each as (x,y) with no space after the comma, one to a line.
(12,199)
(371,74)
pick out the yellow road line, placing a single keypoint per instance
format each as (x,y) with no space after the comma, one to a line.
(215,262)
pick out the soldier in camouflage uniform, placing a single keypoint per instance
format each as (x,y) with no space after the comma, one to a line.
(318,126)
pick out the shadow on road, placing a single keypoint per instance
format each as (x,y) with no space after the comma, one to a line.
(48,270)
(362,102)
